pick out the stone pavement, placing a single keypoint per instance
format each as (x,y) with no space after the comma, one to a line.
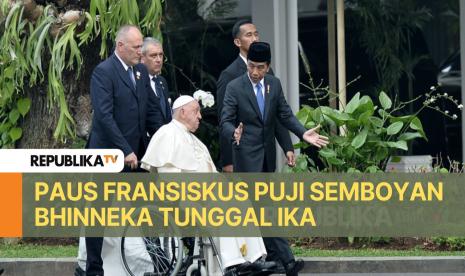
(325,265)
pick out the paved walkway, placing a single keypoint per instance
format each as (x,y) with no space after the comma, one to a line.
(325,266)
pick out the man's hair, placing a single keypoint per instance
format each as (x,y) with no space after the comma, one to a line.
(150,41)
(176,113)
(236,30)
(123,32)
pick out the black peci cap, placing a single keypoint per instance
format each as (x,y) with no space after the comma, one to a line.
(259,52)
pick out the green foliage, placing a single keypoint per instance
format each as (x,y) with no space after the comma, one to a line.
(53,41)
(447,165)
(387,30)
(371,252)
(112,14)
(78,143)
(11,116)
(453,243)
(303,163)
(371,133)
(375,240)
(36,251)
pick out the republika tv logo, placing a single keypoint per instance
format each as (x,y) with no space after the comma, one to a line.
(61,160)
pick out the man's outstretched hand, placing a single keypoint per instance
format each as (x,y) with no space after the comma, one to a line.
(311,136)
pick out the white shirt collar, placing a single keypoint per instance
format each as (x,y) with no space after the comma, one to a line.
(180,125)
(262,81)
(152,84)
(122,62)
(254,85)
(243,58)
(151,76)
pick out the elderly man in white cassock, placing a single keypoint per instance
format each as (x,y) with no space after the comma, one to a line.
(174,148)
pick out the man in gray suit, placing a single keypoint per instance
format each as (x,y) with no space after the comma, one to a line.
(253,104)
(244,33)
(152,58)
(125,110)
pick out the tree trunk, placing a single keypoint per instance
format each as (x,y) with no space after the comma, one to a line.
(41,121)
(39,124)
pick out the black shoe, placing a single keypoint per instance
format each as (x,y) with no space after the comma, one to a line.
(293,268)
(230,271)
(280,268)
(240,269)
(1,271)
(78,271)
(262,265)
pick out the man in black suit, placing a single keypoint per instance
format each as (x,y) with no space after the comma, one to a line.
(125,110)
(253,104)
(152,58)
(244,33)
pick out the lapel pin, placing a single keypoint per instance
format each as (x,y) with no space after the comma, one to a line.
(267,89)
(138,75)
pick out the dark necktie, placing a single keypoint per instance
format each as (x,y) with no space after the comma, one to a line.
(260,99)
(131,76)
(161,94)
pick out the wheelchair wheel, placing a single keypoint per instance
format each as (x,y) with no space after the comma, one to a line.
(152,256)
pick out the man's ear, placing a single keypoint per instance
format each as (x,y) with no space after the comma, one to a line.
(237,42)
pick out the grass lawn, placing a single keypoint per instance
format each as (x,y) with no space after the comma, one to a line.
(370,252)
(55,251)
(37,251)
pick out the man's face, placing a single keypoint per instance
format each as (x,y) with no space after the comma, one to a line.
(191,115)
(153,58)
(257,70)
(248,34)
(129,49)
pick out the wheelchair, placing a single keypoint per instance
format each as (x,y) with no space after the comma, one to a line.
(167,256)
(171,256)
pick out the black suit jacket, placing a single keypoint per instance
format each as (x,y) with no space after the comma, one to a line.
(234,70)
(167,115)
(257,141)
(123,114)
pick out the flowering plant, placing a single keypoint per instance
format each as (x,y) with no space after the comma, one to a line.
(432,97)
(371,130)
(206,98)
(372,133)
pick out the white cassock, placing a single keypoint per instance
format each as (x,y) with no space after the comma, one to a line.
(111,256)
(174,148)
